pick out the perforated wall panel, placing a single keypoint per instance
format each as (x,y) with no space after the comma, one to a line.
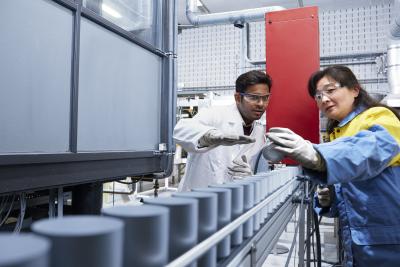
(210,57)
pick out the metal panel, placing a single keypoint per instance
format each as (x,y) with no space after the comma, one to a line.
(291,63)
(119,89)
(47,175)
(143,82)
(35,73)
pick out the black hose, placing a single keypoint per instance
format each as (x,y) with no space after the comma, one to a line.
(318,238)
(257,162)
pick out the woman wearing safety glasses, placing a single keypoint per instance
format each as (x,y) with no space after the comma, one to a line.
(361,166)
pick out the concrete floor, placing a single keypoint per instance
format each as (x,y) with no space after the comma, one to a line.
(328,246)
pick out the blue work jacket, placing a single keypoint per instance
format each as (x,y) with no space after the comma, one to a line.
(363,164)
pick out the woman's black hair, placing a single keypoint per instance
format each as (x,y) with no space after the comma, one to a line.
(252,77)
(345,77)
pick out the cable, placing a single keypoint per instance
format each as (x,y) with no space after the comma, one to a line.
(9,211)
(133,181)
(4,203)
(318,238)
(257,162)
(20,220)
(313,248)
(295,232)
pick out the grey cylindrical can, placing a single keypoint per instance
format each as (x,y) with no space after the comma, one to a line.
(145,235)
(237,209)
(248,203)
(183,224)
(224,216)
(24,250)
(81,241)
(208,205)
(257,199)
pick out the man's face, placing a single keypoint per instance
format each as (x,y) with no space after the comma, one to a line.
(253,102)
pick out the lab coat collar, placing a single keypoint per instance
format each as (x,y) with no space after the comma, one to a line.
(351,115)
(237,118)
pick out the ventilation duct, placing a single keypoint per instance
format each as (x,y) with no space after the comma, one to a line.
(238,18)
(393,60)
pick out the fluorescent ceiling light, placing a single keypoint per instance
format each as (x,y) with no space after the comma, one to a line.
(110,11)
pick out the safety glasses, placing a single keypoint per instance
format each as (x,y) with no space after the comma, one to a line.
(327,90)
(255,98)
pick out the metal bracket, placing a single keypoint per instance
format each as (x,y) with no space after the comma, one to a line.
(162,150)
(381,64)
(253,250)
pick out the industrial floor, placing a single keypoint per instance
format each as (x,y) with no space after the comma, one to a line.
(328,246)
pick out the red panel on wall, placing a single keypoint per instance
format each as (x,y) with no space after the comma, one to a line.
(292,55)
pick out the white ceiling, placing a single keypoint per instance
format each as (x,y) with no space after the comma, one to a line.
(229,5)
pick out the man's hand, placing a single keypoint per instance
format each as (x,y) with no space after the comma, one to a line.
(217,138)
(325,196)
(295,147)
(240,168)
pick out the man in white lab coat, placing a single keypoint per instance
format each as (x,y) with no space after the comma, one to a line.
(224,142)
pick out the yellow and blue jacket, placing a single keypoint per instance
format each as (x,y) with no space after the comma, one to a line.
(363,164)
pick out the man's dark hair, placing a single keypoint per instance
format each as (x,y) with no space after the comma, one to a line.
(251,78)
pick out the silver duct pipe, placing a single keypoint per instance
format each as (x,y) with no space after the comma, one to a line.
(393,72)
(245,47)
(393,60)
(234,17)
(395,28)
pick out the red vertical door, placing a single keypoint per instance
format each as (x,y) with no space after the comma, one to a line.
(292,55)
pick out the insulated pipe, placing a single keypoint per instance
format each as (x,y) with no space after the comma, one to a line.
(24,250)
(393,60)
(245,47)
(395,28)
(234,17)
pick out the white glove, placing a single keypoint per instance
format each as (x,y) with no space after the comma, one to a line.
(240,168)
(325,195)
(297,148)
(217,138)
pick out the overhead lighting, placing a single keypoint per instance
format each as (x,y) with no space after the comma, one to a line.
(199,3)
(110,11)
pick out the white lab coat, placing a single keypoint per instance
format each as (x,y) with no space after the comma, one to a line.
(209,165)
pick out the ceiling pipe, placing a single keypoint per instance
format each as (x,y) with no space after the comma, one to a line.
(393,60)
(245,47)
(238,18)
